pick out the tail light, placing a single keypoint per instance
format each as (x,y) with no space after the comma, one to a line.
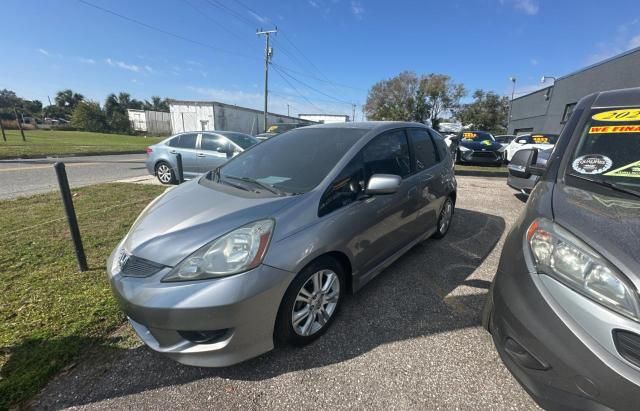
(149,150)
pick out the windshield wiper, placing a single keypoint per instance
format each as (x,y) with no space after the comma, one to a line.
(264,186)
(608,184)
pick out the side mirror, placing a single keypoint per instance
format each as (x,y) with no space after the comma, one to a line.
(523,164)
(383,184)
(521,141)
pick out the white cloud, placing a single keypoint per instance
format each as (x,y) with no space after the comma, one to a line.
(123,65)
(626,38)
(313,4)
(43,51)
(530,7)
(357,9)
(149,69)
(261,19)
(86,60)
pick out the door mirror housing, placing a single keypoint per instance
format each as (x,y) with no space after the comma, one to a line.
(523,164)
(383,184)
(521,141)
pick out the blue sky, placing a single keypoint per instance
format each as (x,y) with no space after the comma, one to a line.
(346,46)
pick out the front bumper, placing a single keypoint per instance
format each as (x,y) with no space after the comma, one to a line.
(480,157)
(557,367)
(245,305)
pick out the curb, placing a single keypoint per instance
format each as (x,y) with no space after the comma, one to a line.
(474,173)
(62,155)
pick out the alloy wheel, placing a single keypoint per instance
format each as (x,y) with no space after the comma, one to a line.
(445,217)
(164,174)
(315,303)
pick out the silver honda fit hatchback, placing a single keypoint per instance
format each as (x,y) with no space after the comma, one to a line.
(266,247)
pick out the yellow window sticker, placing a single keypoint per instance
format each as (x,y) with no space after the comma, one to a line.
(630,170)
(614,129)
(540,139)
(625,114)
(468,135)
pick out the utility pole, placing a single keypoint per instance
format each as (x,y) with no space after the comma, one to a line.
(268,53)
(353,113)
(288,115)
(19,123)
(513,90)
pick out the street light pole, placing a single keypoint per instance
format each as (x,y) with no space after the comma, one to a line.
(513,91)
(268,52)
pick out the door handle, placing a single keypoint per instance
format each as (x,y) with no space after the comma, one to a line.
(173,152)
(201,155)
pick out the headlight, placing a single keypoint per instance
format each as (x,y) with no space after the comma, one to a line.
(464,149)
(561,255)
(233,253)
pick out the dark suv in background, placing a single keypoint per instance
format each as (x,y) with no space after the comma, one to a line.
(564,308)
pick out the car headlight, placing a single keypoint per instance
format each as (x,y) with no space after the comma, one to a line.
(561,255)
(240,250)
(464,149)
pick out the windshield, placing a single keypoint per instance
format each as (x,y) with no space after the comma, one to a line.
(295,161)
(243,140)
(609,147)
(477,136)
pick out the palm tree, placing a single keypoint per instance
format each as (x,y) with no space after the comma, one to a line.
(68,100)
(156,104)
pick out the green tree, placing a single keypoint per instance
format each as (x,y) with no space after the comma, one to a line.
(115,108)
(89,116)
(156,104)
(67,100)
(488,111)
(408,97)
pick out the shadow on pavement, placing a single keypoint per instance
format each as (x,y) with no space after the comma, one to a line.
(412,298)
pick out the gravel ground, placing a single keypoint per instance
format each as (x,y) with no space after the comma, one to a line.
(411,339)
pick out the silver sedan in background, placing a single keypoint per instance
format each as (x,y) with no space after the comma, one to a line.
(267,246)
(200,151)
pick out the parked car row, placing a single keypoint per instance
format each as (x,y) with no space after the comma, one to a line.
(265,247)
(564,306)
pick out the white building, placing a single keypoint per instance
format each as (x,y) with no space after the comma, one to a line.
(325,118)
(153,122)
(213,115)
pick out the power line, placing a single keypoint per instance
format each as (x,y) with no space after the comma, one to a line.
(163,31)
(316,78)
(318,91)
(297,91)
(222,6)
(217,23)
(319,100)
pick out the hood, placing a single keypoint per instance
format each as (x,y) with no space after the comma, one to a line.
(481,145)
(609,224)
(185,218)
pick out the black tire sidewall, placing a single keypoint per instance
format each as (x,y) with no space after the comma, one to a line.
(173,175)
(284,332)
(438,234)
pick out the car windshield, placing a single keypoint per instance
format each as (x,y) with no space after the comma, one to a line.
(544,138)
(295,161)
(477,136)
(243,140)
(609,148)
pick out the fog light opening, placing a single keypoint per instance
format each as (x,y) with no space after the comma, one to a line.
(204,337)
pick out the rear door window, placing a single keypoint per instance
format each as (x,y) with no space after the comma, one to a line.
(184,141)
(211,142)
(387,153)
(423,148)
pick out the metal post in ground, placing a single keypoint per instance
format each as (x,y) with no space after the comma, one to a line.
(4,137)
(19,124)
(67,201)
(180,171)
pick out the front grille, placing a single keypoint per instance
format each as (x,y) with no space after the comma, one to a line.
(628,345)
(484,154)
(139,267)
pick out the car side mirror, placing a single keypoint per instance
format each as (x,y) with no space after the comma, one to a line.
(523,164)
(521,141)
(383,184)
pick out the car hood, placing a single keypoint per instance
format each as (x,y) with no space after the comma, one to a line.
(608,224)
(481,145)
(185,218)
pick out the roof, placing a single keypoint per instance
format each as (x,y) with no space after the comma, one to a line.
(217,103)
(589,67)
(369,125)
(322,115)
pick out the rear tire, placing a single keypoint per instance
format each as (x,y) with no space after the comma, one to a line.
(444,219)
(311,302)
(165,173)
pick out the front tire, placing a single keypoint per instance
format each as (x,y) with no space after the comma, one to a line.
(444,219)
(165,173)
(311,302)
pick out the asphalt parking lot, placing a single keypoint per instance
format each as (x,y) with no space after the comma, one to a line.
(411,339)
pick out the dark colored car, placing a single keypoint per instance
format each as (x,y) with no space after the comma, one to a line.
(478,147)
(518,178)
(564,307)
